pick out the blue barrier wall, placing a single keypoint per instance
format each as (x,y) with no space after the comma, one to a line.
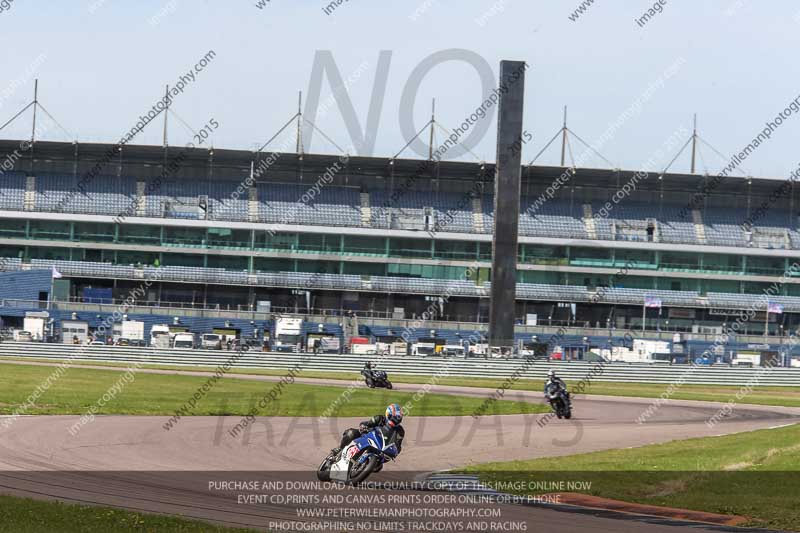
(25,285)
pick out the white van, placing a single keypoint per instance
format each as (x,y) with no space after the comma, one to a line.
(453,350)
(183,341)
(211,341)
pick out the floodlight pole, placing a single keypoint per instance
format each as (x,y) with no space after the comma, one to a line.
(166,114)
(299,148)
(433,125)
(694,142)
(165,144)
(564,138)
(35,105)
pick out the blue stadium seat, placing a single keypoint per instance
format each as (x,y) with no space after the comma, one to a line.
(12,191)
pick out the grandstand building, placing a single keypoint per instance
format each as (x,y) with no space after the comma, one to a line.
(228,229)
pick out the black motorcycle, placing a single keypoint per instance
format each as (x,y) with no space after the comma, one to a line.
(376,378)
(559,401)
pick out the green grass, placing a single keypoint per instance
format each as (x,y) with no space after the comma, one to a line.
(754,474)
(155,394)
(23,515)
(785,396)
(761,395)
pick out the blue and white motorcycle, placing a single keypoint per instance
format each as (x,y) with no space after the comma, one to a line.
(356,461)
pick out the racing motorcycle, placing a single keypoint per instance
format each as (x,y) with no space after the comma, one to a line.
(376,378)
(356,461)
(559,401)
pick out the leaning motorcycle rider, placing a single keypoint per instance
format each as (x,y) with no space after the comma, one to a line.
(388,423)
(368,370)
(553,380)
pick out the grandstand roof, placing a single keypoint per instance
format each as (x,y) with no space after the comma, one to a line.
(60,156)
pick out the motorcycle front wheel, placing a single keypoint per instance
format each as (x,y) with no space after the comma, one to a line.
(388,384)
(360,472)
(324,470)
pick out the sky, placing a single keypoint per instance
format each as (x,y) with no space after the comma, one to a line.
(629,86)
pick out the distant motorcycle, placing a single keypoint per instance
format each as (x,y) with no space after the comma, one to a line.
(559,401)
(376,378)
(356,461)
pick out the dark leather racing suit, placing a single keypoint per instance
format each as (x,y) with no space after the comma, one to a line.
(558,382)
(390,434)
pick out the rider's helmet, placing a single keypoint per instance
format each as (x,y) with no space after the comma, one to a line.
(394,415)
(551,374)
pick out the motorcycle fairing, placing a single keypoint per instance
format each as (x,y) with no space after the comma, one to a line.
(340,470)
(375,439)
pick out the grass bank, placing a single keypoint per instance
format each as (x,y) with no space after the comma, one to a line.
(761,395)
(23,515)
(754,474)
(155,394)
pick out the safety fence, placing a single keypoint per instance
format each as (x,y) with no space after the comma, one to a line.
(473,367)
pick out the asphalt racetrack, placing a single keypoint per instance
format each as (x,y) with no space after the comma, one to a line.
(134,463)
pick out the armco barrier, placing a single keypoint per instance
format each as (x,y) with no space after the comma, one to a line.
(472,367)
